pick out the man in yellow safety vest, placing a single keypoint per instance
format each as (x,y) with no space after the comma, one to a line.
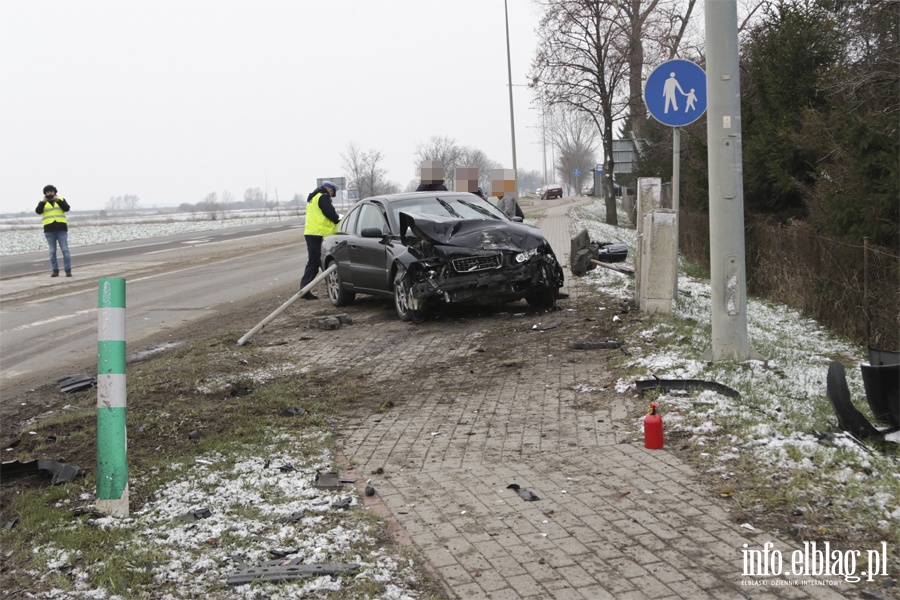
(53,211)
(321,220)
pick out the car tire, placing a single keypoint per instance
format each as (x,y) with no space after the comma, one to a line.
(407,308)
(543,298)
(402,282)
(336,292)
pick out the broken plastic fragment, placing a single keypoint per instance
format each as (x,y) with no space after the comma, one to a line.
(524,494)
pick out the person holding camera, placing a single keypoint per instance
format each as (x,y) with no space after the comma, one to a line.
(53,209)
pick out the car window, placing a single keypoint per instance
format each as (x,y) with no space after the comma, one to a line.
(347,223)
(468,206)
(370,216)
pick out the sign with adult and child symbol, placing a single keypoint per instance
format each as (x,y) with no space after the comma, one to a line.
(675,93)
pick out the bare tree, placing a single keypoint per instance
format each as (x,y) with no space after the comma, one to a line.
(442,149)
(126,202)
(254,198)
(582,63)
(469,156)
(211,206)
(575,137)
(366,173)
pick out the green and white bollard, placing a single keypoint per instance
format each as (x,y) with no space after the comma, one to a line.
(112,442)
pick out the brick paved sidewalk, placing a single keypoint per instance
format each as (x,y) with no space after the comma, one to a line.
(614,520)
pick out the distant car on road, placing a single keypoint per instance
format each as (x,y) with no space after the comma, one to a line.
(427,248)
(551,191)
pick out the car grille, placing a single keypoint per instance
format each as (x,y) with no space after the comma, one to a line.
(469,264)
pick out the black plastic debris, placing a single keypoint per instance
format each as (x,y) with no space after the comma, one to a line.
(59,472)
(196,515)
(342,503)
(524,494)
(239,390)
(282,552)
(75,383)
(194,436)
(607,345)
(611,253)
(288,573)
(291,519)
(293,412)
(685,384)
(288,468)
(329,481)
(882,384)
(370,491)
(849,418)
(883,357)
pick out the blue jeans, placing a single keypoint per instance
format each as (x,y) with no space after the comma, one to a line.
(61,238)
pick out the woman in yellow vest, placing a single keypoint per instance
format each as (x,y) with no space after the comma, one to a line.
(321,220)
(53,211)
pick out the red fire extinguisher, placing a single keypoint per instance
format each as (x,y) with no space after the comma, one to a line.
(653,434)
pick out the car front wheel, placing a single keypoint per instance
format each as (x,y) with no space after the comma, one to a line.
(336,292)
(402,285)
(542,298)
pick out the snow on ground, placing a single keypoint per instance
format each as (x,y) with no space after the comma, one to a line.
(18,236)
(781,404)
(253,495)
(783,401)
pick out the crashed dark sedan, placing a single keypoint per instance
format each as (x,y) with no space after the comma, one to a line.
(427,248)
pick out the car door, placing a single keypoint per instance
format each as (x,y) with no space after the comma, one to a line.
(369,255)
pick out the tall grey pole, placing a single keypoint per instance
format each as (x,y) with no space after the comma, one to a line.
(726,186)
(676,197)
(512,119)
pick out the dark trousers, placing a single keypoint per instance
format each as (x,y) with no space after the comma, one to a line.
(314,249)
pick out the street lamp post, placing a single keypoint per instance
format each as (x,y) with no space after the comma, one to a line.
(512,119)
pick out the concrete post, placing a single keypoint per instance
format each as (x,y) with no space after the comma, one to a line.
(649,194)
(112,442)
(658,261)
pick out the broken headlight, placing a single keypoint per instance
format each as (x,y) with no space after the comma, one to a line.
(523,256)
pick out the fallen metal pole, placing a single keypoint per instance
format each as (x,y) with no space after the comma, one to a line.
(284,306)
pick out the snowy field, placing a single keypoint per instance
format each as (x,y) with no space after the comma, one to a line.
(21,235)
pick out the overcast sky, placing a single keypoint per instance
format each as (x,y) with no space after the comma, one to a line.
(170,100)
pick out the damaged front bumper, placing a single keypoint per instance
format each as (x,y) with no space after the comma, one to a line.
(433,280)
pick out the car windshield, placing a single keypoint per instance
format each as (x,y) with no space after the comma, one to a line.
(449,206)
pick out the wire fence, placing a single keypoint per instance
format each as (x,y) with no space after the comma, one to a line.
(853,289)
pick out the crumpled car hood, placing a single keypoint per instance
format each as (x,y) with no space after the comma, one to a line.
(484,234)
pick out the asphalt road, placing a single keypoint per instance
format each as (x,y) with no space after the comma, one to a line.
(49,325)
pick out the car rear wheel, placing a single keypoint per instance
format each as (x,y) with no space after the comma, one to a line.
(336,292)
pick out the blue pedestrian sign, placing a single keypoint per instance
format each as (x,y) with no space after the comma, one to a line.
(675,93)
(576,172)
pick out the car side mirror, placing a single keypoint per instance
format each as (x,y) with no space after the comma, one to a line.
(517,219)
(372,232)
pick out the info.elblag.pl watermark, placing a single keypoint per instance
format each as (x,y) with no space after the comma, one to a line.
(814,560)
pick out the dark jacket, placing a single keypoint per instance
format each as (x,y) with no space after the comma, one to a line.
(432,187)
(325,204)
(56,226)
